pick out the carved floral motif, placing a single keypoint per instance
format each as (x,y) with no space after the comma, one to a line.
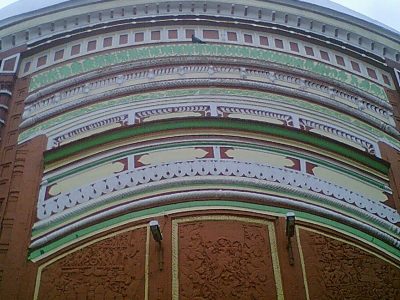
(225,260)
(337,270)
(109,269)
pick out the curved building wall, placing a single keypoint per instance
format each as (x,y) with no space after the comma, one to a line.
(111,116)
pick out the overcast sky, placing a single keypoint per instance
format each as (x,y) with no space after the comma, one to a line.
(384,11)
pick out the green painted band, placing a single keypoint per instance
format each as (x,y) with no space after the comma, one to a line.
(211,123)
(102,60)
(87,232)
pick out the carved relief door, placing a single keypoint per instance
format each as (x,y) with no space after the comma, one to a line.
(204,257)
(224,257)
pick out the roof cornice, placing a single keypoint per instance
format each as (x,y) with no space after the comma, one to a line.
(45,22)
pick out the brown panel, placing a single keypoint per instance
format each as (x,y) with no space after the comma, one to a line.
(75,49)
(189,33)
(123,39)
(294,47)
(324,55)
(139,37)
(91,45)
(372,73)
(160,279)
(20,177)
(264,41)
(41,61)
(59,54)
(113,268)
(292,278)
(309,50)
(225,260)
(248,38)
(278,43)
(107,42)
(232,36)
(172,34)
(211,34)
(9,64)
(338,270)
(355,66)
(340,60)
(155,35)
(18,277)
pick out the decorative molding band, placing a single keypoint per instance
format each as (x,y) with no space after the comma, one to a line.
(5,92)
(219,124)
(173,50)
(214,147)
(134,211)
(299,19)
(269,176)
(366,134)
(62,138)
(204,82)
(256,37)
(155,63)
(312,89)
(287,119)
(368,146)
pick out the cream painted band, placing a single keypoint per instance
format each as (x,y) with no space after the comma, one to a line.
(86,176)
(203,135)
(126,183)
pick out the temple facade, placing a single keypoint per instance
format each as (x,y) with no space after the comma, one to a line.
(260,139)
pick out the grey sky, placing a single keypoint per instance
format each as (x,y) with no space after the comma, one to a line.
(384,11)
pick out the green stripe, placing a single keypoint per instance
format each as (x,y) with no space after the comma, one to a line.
(102,60)
(35,254)
(251,126)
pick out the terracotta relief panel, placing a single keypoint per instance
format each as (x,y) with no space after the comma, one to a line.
(338,270)
(113,268)
(226,259)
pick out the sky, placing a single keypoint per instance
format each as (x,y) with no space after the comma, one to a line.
(384,11)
